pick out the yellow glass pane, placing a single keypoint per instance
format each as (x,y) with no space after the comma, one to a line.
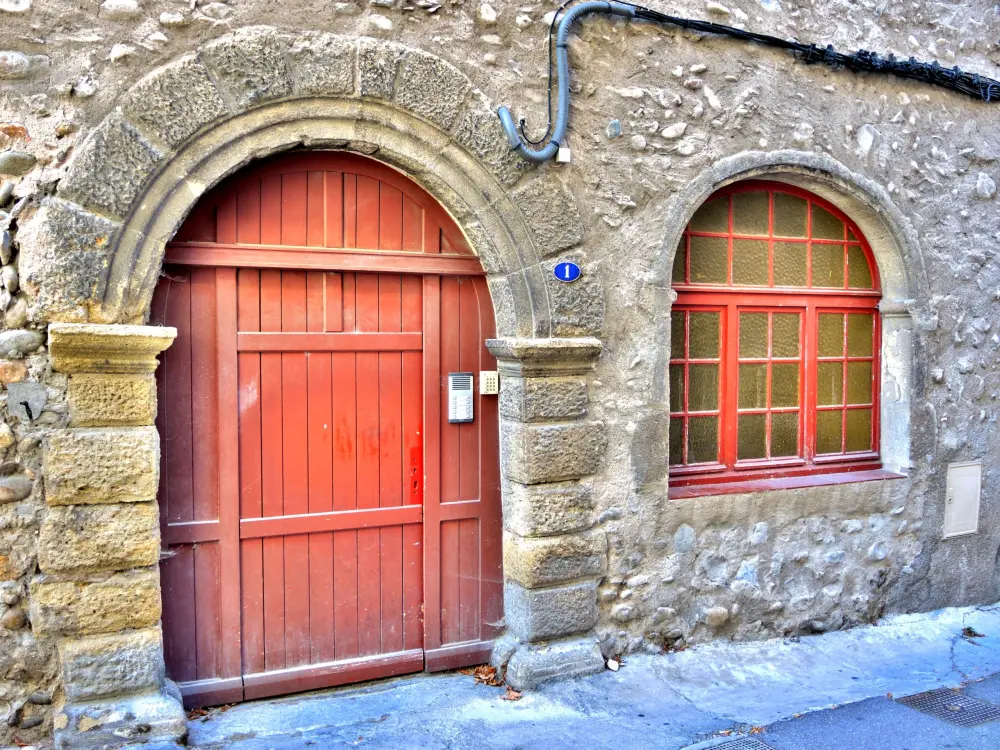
(676,388)
(859,335)
(828,431)
(680,262)
(709,260)
(677,335)
(859,275)
(703,387)
(784,384)
(704,342)
(859,429)
(784,434)
(785,335)
(850,236)
(751,439)
(676,447)
(750,262)
(859,382)
(703,439)
(830,384)
(789,216)
(750,213)
(831,335)
(753,335)
(713,216)
(825,225)
(789,263)
(753,386)
(828,265)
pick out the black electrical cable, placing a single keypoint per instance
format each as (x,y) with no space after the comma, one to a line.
(548,122)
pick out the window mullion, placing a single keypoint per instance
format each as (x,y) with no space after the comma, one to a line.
(730,373)
(810,351)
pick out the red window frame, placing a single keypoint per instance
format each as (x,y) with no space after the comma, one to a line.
(730,300)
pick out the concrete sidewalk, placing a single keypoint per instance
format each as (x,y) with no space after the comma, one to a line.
(707,694)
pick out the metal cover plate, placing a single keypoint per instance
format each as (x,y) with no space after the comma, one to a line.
(952,706)
(743,743)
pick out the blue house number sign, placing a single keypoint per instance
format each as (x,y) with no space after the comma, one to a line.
(567,272)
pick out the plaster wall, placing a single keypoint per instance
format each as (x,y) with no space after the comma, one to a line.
(660,118)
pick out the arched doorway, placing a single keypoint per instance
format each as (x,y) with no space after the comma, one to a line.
(323,521)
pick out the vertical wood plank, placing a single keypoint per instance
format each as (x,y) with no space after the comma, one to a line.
(177,437)
(350,210)
(180,643)
(334,209)
(204,394)
(413,225)
(470,345)
(451,601)
(390,223)
(316,209)
(207,609)
(270,210)
(294,208)
(469,578)
(368,212)
(334,292)
(432,461)
(248,214)
(451,450)
(345,497)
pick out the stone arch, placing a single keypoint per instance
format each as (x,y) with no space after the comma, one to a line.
(92,252)
(893,242)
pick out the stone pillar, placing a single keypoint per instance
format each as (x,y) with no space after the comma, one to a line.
(553,560)
(98,590)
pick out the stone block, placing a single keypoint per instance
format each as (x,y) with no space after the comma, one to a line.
(540,561)
(249,66)
(575,309)
(538,453)
(123,601)
(541,614)
(99,666)
(546,509)
(322,65)
(531,665)
(109,465)
(153,721)
(98,348)
(65,258)
(111,400)
(542,399)
(174,102)
(110,169)
(480,133)
(551,212)
(377,64)
(431,88)
(90,538)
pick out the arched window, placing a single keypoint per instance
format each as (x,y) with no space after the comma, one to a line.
(774,356)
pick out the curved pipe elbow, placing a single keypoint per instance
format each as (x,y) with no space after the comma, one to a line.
(542,155)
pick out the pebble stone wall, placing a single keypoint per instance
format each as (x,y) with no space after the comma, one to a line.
(115,116)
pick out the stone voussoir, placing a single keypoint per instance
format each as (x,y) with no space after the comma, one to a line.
(102,465)
(430,87)
(323,64)
(378,62)
(542,614)
(547,509)
(103,665)
(552,452)
(101,400)
(248,66)
(93,538)
(541,561)
(552,214)
(479,131)
(123,601)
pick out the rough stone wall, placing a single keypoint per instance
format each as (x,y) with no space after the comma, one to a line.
(654,109)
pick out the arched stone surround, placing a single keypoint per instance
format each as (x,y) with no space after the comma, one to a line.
(90,258)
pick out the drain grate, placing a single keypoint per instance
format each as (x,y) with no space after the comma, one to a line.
(953,707)
(743,743)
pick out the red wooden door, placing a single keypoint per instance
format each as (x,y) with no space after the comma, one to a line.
(322,520)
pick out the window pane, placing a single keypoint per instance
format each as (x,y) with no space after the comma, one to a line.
(680,262)
(750,262)
(826,226)
(750,213)
(828,426)
(850,236)
(704,335)
(830,384)
(789,264)
(785,335)
(785,384)
(784,434)
(711,217)
(859,335)
(752,436)
(828,265)
(753,386)
(859,382)
(677,335)
(709,260)
(831,335)
(703,387)
(676,387)
(676,441)
(753,335)
(859,275)
(859,429)
(703,439)
(789,215)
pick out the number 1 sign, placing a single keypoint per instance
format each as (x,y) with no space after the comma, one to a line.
(566,272)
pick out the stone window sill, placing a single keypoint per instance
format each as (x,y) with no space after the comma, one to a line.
(781,483)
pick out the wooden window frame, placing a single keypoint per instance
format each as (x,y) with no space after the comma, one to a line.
(730,300)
